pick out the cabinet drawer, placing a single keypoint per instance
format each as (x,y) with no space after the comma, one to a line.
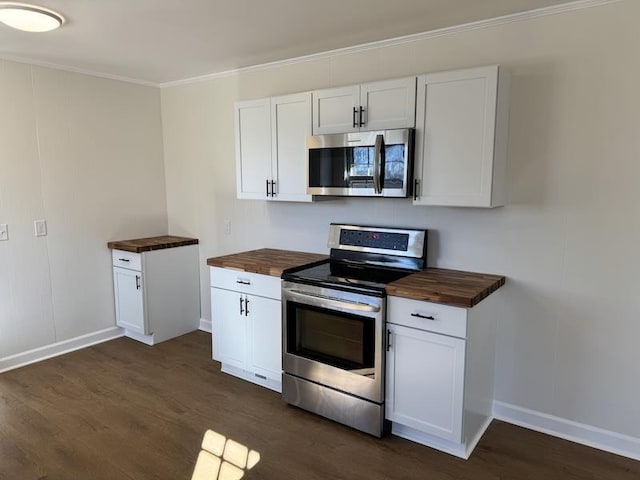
(246,282)
(443,318)
(130,260)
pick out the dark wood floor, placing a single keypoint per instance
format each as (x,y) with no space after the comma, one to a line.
(122,410)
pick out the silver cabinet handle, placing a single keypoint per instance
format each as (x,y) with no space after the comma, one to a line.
(137,282)
(423,316)
(246,306)
(241,306)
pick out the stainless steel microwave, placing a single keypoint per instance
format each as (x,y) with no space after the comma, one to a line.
(361,164)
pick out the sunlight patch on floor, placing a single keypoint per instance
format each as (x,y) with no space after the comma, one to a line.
(223,459)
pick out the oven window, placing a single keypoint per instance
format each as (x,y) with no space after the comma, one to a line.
(335,338)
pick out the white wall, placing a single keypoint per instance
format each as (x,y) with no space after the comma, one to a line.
(85,154)
(567,344)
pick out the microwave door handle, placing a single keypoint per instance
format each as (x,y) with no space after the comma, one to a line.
(378,161)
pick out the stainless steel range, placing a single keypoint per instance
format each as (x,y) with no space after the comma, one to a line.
(334,323)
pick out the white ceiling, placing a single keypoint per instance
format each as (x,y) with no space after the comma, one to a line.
(159,41)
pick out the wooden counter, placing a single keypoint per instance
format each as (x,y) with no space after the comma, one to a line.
(438,285)
(139,245)
(267,261)
(451,287)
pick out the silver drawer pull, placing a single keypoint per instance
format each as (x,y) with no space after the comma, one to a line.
(124,260)
(243,282)
(423,316)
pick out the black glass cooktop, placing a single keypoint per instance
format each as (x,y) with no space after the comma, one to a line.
(346,275)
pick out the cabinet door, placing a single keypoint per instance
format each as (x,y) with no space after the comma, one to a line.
(253,148)
(265,337)
(128,289)
(290,127)
(333,110)
(455,133)
(425,381)
(229,327)
(388,104)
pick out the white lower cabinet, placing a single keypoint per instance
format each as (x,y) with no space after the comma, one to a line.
(425,381)
(440,372)
(129,301)
(231,326)
(247,325)
(265,338)
(157,293)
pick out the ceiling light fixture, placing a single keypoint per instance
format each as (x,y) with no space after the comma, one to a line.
(30,18)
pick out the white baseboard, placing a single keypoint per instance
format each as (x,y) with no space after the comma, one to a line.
(595,437)
(205,325)
(59,348)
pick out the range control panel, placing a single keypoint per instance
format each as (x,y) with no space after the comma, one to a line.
(375,239)
(403,242)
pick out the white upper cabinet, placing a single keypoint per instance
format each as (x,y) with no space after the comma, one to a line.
(291,125)
(335,110)
(271,135)
(253,147)
(388,104)
(371,106)
(461,137)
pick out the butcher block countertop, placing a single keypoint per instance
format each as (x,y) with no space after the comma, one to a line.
(267,261)
(139,245)
(451,287)
(438,285)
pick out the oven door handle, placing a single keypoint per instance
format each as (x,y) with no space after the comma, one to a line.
(335,302)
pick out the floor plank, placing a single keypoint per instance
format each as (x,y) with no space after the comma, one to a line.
(123,410)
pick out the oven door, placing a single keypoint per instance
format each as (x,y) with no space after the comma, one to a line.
(334,338)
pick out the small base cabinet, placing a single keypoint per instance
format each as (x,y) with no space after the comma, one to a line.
(247,325)
(440,372)
(157,293)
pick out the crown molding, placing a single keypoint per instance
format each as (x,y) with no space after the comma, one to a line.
(456,29)
(81,71)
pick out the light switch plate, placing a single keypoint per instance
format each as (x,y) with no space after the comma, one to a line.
(40,227)
(4,232)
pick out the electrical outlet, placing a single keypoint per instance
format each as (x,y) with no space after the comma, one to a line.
(227,227)
(40,227)
(4,232)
